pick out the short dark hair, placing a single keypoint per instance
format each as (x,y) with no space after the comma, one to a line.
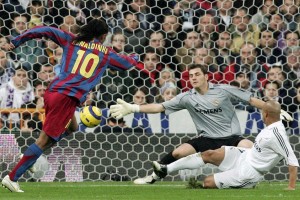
(203,68)
(272,82)
(93,29)
(289,32)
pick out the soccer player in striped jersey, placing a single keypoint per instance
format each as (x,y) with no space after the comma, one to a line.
(83,62)
(241,167)
(210,106)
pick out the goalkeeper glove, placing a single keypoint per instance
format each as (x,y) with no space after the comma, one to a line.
(123,108)
(285,116)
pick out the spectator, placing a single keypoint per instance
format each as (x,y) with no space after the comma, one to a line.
(16,92)
(207,28)
(291,38)
(269,53)
(242,30)
(140,95)
(31,51)
(174,36)
(278,26)
(158,42)
(286,90)
(49,52)
(292,66)
(32,122)
(147,71)
(118,41)
(136,37)
(185,54)
(69,24)
(142,9)
(75,8)
(113,126)
(224,12)
(290,10)
(262,17)
(271,91)
(46,73)
(113,85)
(167,92)
(166,75)
(39,14)
(108,10)
(189,12)
(255,71)
(224,55)
(140,120)
(7,68)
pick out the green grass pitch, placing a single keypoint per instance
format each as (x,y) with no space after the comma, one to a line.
(159,191)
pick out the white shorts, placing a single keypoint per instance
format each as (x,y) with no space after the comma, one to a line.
(237,173)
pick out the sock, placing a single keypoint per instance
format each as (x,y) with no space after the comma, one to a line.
(155,177)
(167,159)
(29,158)
(193,161)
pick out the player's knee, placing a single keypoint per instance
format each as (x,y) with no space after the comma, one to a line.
(207,155)
(176,154)
(245,143)
(209,182)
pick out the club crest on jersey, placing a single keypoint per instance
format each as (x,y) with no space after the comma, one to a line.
(216,102)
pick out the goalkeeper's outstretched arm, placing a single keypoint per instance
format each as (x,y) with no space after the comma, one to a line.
(123,108)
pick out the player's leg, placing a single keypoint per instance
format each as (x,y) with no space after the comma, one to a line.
(193,161)
(182,151)
(29,157)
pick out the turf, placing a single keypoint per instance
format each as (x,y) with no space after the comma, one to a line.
(129,191)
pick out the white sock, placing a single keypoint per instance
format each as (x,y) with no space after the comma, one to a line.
(193,161)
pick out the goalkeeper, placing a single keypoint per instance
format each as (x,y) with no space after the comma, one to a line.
(244,168)
(211,109)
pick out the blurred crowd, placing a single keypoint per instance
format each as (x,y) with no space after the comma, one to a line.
(253,45)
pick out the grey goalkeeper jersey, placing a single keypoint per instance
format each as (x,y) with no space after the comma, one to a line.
(213,112)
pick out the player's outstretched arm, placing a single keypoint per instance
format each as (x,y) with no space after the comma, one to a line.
(257,102)
(260,104)
(293,170)
(123,108)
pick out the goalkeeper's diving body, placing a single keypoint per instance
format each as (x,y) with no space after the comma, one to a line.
(243,167)
(210,106)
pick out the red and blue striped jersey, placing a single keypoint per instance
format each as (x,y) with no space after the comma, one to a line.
(82,64)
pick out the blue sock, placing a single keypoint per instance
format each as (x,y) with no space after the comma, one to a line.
(29,158)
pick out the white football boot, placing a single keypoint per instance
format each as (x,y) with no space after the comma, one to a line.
(11,185)
(146,180)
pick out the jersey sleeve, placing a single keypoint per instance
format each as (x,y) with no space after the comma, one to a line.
(282,146)
(175,104)
(120,61)
(236,94)
(56,35)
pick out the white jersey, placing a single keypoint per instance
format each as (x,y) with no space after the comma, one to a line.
(270,147)
(11,97)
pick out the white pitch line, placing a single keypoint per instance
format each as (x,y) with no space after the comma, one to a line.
(71,186)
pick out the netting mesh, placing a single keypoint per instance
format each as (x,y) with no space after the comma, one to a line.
(253,45)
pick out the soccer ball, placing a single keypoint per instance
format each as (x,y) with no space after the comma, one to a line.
(90,116)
